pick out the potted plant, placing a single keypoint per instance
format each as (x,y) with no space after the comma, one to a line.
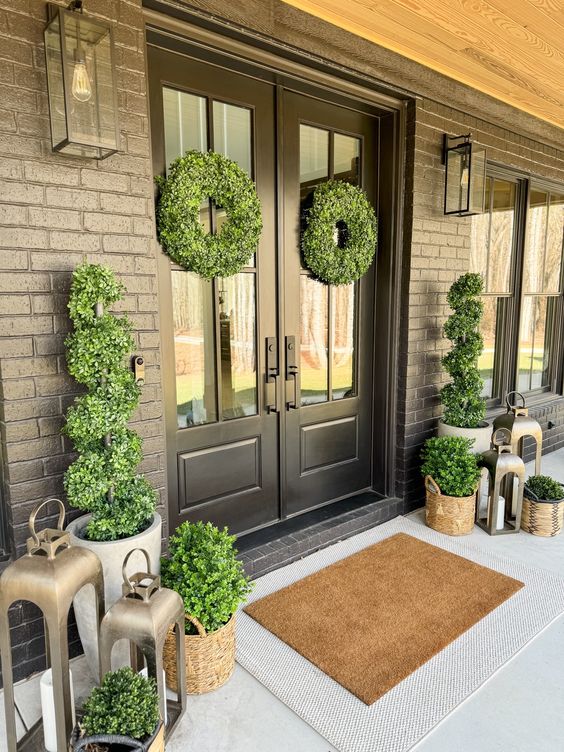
(203,568)
(102,481)
(452,476)
(464,405)
(122,713)
(543,506)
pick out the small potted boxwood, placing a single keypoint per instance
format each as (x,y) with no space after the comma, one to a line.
(122,713)
(203,568)
(543,506)
(452,476)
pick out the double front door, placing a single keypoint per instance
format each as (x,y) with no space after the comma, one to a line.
(267,373)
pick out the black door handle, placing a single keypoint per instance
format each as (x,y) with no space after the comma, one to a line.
(271,376)
(292,396)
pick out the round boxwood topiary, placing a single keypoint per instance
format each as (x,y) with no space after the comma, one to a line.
(339,209)
(125,704)
(543,488)
(204,570)
(451,464)
(193,179)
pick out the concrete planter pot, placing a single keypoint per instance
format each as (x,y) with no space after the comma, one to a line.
(481,436)
(111,554)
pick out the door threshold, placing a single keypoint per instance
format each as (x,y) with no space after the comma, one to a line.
(275,546)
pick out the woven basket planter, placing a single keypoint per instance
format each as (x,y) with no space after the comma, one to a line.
(451,515)
(155,743)
(542,517)
(210,657)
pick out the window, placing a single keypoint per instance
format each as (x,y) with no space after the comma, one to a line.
(517,245)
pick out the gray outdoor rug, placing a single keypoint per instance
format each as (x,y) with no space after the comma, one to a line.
(403,716)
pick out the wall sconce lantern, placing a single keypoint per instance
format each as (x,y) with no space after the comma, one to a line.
(465,175)
(81,78)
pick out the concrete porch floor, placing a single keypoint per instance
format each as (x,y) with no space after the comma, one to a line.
(518,710)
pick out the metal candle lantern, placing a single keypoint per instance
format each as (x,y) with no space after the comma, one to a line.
(49,575)
(503,466)
(144,615)
(519,424)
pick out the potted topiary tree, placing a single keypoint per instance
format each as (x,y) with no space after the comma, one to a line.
(452,476)
(120,504)
(543,506)
(122,713)
(464,406)
(203,568)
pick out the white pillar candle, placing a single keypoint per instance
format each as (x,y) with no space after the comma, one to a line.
(48,709)
(500,522)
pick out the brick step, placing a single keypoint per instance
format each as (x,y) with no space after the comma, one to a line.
(277,545)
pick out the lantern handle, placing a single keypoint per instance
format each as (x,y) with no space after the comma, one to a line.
(33,516)
(509,404)
(126,579)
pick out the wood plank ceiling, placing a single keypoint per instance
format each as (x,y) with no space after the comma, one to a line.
(510,49)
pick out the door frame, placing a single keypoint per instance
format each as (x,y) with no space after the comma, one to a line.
(186,34)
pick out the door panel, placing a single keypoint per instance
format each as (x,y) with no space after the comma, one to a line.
(328,439)
(222,442)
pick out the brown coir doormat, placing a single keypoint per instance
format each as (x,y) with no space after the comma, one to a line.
(373,618)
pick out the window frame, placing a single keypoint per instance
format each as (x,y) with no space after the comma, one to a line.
(507,378)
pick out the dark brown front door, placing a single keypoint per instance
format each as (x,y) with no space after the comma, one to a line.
(267,374)
(328,412)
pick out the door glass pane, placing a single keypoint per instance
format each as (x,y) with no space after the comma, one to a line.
(314,158)
(232,134)
(501,236)
(237,326)
(554,241)
(533,271)
(185,123)
(535,343)
(194,348)
(343,340)
(347,159)
(313,340)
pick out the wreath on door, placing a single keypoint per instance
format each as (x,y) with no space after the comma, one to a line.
(340,236)
(193,179)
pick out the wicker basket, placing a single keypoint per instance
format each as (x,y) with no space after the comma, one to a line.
(542,517)
(210,658)
(451,515)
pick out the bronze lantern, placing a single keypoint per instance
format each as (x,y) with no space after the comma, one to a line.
(465,176)
(81,79)
(49,575)
(144,615)
(520,424)
(502,467)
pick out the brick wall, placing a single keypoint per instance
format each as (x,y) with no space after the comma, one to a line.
(436,252)
(56,212)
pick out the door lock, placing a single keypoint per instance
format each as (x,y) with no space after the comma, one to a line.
(271,376)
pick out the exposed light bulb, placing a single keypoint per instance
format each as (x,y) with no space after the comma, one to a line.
(464,177)
(81,86)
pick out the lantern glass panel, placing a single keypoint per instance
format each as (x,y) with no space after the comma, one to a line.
(81,73)
(477,179)
(54,57)
(457,179)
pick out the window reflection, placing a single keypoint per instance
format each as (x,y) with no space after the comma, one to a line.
(237,325)
(185,123)
(343,312)
(535,342)
(194,349)
(346,158)
(313,340)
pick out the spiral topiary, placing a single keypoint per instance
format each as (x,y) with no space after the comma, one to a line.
(462,397)
(103,480)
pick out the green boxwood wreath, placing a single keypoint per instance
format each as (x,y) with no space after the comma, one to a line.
(338,204)
(192,179)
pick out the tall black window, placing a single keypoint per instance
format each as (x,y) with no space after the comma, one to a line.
(517,245)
